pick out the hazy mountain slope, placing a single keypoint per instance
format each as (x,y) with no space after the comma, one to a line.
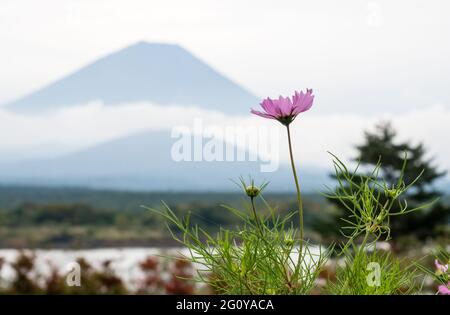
(143,161)
(159,73)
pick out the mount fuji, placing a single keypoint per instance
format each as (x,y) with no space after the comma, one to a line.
(143,72)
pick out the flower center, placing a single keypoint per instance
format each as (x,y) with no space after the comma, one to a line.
(286,120)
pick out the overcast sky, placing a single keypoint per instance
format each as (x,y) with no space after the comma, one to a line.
(398,49)
(365,59)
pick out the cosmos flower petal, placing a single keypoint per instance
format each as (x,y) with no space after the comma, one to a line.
(285,109)
(302,101)
(267,105)
(262,114)
(285,105)
(440,267)
(444,290)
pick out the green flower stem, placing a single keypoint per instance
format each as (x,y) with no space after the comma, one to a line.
(256,216)
(299,195)
(363,244)
(286,267)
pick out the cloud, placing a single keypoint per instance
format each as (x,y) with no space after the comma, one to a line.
(85,125)
(75,128)
(339,133)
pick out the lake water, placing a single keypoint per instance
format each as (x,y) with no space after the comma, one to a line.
(124,261)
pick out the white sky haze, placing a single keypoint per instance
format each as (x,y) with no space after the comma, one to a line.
(366,60)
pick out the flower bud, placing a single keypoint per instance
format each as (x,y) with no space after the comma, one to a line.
(289,242)
(252,191)
(379,218)
(270,291)
(391,193)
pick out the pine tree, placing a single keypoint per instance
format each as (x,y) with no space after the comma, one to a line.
(382,145)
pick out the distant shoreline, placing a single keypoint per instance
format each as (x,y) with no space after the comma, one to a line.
(162,243)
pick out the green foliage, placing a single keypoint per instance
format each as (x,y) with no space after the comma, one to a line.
(373,272)
(380,149)
(369,216)
(371,202)
(255,258)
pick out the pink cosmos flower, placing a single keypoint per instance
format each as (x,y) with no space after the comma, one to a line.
(444,290)
(285,109)
(440,268)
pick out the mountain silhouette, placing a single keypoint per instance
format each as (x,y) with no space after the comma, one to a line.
(144,72)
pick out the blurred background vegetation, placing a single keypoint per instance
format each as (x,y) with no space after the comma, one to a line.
(39,217)
(83,218)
